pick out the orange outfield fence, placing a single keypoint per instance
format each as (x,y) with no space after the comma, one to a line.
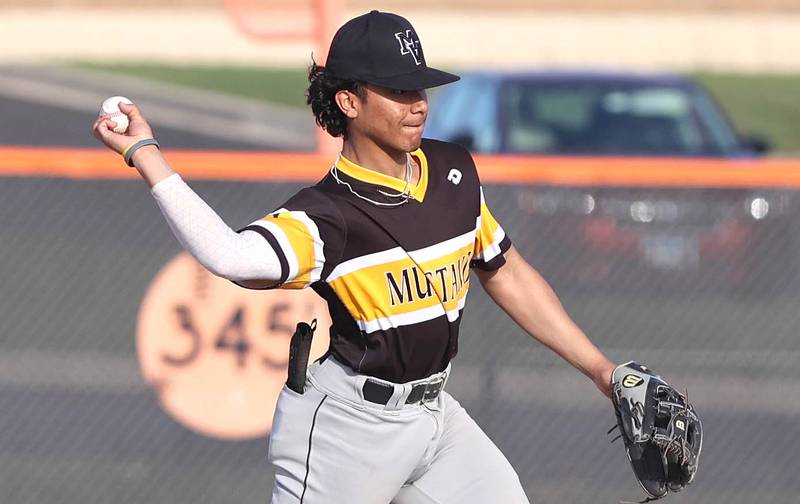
(265,166)
(125,366)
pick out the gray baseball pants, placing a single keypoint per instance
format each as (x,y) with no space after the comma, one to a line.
(329,446)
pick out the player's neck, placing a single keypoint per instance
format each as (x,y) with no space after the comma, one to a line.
(371,156)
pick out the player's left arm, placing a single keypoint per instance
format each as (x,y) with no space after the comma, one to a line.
(530,301)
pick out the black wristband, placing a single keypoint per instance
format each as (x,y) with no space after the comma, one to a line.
(128,153)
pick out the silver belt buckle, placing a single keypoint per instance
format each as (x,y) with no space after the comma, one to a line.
(434,392)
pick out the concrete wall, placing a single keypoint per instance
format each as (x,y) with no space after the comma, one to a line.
(749,41)
(580,5)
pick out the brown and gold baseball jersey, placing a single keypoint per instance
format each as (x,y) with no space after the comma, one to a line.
(395,277)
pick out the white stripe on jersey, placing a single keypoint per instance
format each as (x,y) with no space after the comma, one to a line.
(443,249)
(365,261)
(422,255)
(313,230)
(414,317)
(284,244)
(493,250)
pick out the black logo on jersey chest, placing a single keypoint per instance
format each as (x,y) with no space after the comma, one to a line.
(412,284)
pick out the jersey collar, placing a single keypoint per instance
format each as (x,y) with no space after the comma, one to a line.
(372,177)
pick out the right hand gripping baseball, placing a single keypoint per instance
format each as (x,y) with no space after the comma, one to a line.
(137,130)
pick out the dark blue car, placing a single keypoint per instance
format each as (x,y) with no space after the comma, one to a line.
(700,237)
(585,113)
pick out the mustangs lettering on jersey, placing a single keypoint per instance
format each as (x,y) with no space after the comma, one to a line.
(396,279)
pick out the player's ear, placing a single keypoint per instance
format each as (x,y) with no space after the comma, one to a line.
(348,103)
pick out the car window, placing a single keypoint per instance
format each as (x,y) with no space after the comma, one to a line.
(719,127)
(599,118)
(469,107)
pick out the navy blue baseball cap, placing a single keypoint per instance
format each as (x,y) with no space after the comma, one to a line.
(383,49)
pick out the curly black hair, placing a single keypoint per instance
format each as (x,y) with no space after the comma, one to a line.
(321,95)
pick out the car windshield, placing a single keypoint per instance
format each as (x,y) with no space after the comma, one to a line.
(609,118)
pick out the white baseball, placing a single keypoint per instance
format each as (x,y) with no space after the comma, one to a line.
(111,107)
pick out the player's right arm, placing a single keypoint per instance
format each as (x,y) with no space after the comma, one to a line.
(242,257)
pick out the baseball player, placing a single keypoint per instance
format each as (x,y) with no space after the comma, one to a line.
(388,238)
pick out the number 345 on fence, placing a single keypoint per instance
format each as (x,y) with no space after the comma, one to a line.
(216,354)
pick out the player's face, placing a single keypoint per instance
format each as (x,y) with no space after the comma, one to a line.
(392,119)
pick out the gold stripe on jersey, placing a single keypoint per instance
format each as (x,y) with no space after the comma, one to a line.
(489,235)
(305,246)
(402,287)
(372,177)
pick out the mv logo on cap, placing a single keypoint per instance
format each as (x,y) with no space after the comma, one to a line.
(409,44)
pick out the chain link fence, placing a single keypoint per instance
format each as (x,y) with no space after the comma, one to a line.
(700,284)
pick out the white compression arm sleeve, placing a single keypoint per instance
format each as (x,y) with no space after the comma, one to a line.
(221,250)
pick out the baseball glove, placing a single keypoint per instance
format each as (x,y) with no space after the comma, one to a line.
(662,433)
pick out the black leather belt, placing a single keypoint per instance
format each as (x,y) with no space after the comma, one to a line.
(380,393)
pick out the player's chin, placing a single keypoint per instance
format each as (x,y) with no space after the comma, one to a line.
(412,138)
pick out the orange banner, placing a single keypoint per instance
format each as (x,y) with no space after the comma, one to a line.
(301,167)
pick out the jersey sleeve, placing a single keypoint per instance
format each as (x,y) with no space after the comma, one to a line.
(491,241)
(307,234)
